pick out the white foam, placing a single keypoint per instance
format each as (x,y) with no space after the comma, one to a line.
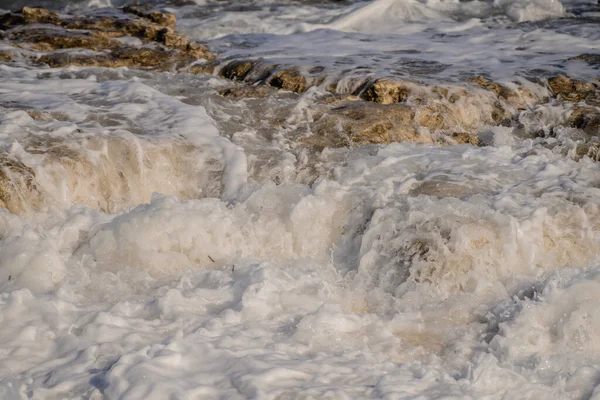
(121,146)
(401,271)
(385,16)
(525,10)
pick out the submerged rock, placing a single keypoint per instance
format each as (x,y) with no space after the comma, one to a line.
(356,122)
(246,92)
(590,58)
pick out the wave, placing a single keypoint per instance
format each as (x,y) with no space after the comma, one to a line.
(386,16)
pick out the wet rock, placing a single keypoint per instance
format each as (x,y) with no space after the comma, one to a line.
(585,118)
(465,138)
(348,122)
(289,79)
(149,57)
(18,191)
(386,91)
(198,50)
(98,33)
(493,86)
(237,70)
(590,58)
(435,117)
(567,89)
(205,68)
(336,98)
(157,17)
(519,98)
(40,15)
(358,122)
(123,56)
(47,116)
(442,189)
(246,92)
(45,39)
(500,90)
(29,15)
(5,56)
(591,150)
(170,38)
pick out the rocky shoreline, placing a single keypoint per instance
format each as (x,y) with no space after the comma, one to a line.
(348,109)
(102,38)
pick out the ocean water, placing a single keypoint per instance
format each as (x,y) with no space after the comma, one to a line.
(181,245)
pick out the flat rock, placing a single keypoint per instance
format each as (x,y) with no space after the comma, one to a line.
(165,48)
(356,122)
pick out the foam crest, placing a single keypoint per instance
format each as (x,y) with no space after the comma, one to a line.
(269,225)
(123,141)
(523,10)
(387,16)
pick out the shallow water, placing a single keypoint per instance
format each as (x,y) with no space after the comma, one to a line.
(180,244)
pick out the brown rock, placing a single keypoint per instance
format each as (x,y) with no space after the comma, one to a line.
(592,150)
(53,39)
(145,57)
(351,122)
(435,117)
(493,86)
(567,89)
(47,116)
(386,91)
(590,58)
(561,84)
(289,79)
(519,98)
(465,138)
(59,60)
(338,98)
(585,118)
(198,50)
(246,92)
(18,191)
(28,15)
(237,70)
(120,57)
(364,122)
(40,15)
(205,68)
(157,17)
(98,34)
(5,56)
(154,26)
(170,38)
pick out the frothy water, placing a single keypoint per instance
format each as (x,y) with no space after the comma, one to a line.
(161,240)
